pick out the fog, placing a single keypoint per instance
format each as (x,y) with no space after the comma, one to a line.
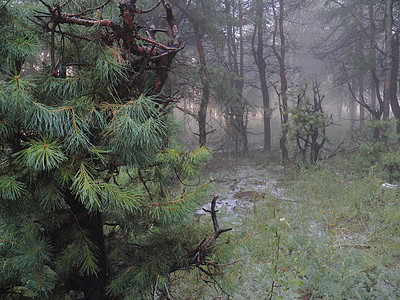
(337,46)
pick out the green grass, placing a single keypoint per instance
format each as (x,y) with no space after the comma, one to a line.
(332,234)
(348,232)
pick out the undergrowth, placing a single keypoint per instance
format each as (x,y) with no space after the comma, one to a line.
(331,232)
(347,228)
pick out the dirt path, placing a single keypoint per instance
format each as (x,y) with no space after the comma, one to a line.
(240,186)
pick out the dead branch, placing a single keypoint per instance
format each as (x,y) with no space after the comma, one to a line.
(199,256)
(144,11)
(334,152)
(160,54)
(217,231)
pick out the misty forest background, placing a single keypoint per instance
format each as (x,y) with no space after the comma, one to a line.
(121,120)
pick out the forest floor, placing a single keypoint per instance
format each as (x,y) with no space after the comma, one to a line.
(312,233)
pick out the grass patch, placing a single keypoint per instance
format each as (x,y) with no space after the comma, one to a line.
(347,231)
(321,232)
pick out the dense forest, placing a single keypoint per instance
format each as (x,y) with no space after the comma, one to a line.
(199,149)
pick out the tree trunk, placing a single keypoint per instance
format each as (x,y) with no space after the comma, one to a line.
(240,83)
(205,97)
(361,96)
(93,286)
(393,84)
(374,79)
(360,49)
(236,60)
(260,62)
(352,111)
(280,55)
(388,58)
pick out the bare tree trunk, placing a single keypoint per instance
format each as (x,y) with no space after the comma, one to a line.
(240,82)
(205,98)
(374,78)
(280,55)
(373,97)
(361,96)
(393,84)
(361,47)
(388,58)
(236,57)
(260,62)
(340,107)
(352,111)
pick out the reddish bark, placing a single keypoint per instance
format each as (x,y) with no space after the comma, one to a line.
(161,55)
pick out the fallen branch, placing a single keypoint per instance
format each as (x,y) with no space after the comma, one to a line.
(217,231)
(199,256)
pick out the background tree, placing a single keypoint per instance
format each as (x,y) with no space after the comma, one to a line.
(354,49)
(258,53)
(278,36)
(234,12)
(198,13)
(309,123)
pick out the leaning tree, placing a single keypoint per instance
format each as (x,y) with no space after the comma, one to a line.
(94,190)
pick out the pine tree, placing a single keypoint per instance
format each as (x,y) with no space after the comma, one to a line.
(94,193)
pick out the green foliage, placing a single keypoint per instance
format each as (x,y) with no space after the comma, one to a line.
(86,188)
(185,163)
(382,153)
(17,41)
(308,123)
(41,155)
(391,163)
(137,128)
(305,121)
(81,253)
(346,238)
(267,265)
(10,188)
(372,152)
(91,179)
(157,250)
(29,253)
(333,272)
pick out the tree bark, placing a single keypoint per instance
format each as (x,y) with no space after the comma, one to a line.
(205,97)
(280,55)
(240,83)
(158,53)
(236,64)
(362,109)
(377,107)
(360,50)
(352,112)
(393,84)
(94,285)
(258,55)
(388,58)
